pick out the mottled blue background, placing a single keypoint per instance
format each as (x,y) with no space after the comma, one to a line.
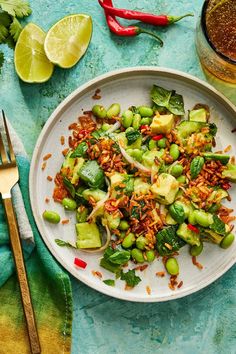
(201,323)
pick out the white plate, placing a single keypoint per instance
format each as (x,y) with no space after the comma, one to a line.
(128,87)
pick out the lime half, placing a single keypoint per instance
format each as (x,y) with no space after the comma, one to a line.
(67,41)
(31,62)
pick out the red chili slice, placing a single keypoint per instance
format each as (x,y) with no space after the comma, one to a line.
(144,127)
(157,137)
(111,205)
(80,263)
(193,228)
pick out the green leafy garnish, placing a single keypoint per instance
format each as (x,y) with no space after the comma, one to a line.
(177,213)
(130,278)
(18,8)
(119,257)
(218,225)
(110,282)
(15,29)
(62,243)
(196,166)
(132,136)
(168,236)
(80,150)
(213,129)
(69,186)
(168,99)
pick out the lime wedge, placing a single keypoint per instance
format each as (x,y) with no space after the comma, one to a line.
(67,41)
(31,62)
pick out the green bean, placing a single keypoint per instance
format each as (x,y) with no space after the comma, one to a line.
(128,240)
(181,179)
(196,250)
(113,110)
(127,118)
(136,121)
(227,241)
(51,216)
(124,225)
(162,143)
(202,218)
(146,121)
(99,111)
(137,255)
(69,204)
(176,170)
(174,151)
(152,144)
(145,111)
(150,255)
(172,266)
(141,242)
(106,127)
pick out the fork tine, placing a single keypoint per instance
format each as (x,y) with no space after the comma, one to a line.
(11,151)
(2,151)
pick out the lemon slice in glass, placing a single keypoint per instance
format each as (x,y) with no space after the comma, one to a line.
(31,62)
(67,41)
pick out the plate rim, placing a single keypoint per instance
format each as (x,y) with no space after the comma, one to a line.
(63,105)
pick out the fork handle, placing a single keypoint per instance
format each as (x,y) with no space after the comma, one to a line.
(22,277)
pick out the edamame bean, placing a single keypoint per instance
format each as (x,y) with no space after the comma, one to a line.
(162,143)
(69,204)
(145,111)
(172,266)
(181,179)
(174,151)
(124,225)
(136,121)
(113,110)
(99,111)
(227,241)
(152,144)
(51,216)
(128,240)
(141,242)
(196,250)
(150,255)
(106,127)
(127,118)
(146,121)
(202,218)
(176,170)
(137,255)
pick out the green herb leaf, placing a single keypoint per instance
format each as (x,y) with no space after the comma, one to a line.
(177,213)
(69,186)
(169,236)
(130,278)
(132,136)
(196,166)
(160,96)
(15,29)
(18,8)
(218,225)
(1,60)
(3,33)
(176,105)
(213,129)
(119,257)
(80,150)
(62,243)
(109,282)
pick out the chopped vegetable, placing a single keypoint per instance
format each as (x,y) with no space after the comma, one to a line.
(80,263)
(130,278)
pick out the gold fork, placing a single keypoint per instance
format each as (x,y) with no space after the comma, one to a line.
(9,176)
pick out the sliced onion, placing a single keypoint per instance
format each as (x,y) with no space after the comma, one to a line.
(133,162)
(101,202)
(103,247)
(114,128)
(153,173)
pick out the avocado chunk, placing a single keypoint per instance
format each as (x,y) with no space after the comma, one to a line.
(224,159)
(162,124)
(96,194)
(141,187)
(116,178)
(198,115)
(88,235)
(92,174)
(230,172)
(165,188)
(112,220)
(149,157)
(191,237)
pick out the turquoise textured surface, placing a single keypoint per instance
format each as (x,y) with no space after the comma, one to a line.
(201,323)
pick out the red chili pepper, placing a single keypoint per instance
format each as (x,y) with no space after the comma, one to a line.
(157,137)
(111,205)
(193,228)
(80,263)
(144,127)
(116,28)
(156,20)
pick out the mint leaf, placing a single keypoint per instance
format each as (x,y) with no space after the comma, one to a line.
(130,278)
(80,150)
(132,136)
(160,96)
(218,225)
(109,282)
(62,243)
(120,257)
